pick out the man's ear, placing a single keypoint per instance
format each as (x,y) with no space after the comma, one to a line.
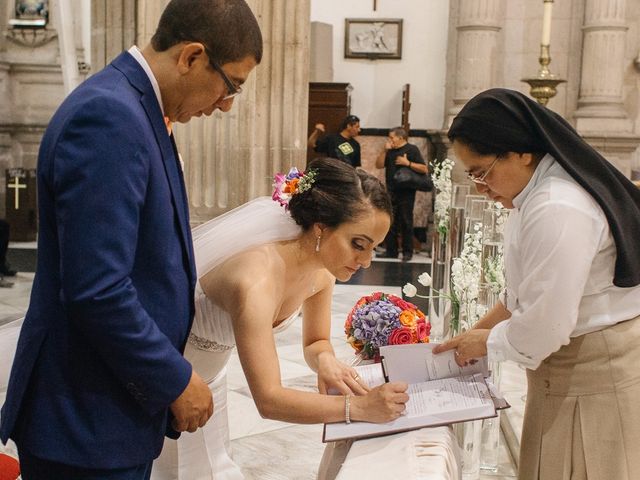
(190,53)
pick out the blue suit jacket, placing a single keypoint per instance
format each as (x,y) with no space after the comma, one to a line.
(98,361)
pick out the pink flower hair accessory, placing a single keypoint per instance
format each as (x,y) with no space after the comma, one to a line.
(286,186)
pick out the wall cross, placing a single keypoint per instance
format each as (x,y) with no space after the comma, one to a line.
(17,186)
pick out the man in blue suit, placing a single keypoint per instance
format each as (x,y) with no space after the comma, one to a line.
(98,377)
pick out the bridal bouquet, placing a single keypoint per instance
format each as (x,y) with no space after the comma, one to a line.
(381,319)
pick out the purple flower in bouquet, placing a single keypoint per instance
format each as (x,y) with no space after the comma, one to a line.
(374,322)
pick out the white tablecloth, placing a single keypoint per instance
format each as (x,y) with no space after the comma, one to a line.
(426,454)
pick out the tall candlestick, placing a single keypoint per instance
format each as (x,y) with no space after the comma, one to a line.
(543,86)
(546,22)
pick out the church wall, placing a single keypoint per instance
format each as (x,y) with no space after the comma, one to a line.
(377,84)
(31,87)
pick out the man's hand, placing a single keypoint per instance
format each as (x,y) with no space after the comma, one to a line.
(320,127)
(193,407)
(402,160)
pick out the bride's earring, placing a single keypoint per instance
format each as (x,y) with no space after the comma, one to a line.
(318,243)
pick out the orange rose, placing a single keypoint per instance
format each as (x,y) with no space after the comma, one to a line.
(407,318)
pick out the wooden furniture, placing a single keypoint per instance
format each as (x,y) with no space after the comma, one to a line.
(329,104)
(406,107)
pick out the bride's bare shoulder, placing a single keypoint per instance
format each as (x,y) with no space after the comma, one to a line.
(247,270)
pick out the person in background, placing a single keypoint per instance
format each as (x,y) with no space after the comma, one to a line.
(399,153)
(5,269)
(570,313)
(99,377)
(341,145)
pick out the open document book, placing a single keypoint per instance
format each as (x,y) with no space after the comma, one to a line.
(440,392)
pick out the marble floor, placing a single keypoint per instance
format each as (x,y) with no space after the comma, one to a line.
(272,450)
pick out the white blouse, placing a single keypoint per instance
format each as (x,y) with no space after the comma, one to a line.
(559,267)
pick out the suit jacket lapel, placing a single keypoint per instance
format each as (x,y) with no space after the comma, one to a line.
(138,78)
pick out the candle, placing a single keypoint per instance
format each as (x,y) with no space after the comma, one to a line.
(546,22)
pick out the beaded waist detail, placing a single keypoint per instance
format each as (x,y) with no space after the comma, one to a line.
(208,345)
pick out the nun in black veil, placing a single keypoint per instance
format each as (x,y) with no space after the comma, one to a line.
(570,313)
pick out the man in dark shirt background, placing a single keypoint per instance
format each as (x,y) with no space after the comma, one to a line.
(342,145)
(5,269)
(398,153)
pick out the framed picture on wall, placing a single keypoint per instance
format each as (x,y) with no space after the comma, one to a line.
(373,38)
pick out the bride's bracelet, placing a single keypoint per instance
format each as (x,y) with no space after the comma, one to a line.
(347,408)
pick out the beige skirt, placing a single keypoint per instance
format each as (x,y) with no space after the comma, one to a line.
(582,415)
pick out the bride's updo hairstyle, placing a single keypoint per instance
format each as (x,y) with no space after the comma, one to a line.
(339,193)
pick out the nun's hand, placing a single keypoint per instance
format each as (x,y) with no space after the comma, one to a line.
(466,346)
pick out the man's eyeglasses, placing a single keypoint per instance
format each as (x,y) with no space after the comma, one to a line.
(479,179)
(233,90)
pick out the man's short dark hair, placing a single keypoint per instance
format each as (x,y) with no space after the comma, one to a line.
(228,28)
(348,121)
(400,133)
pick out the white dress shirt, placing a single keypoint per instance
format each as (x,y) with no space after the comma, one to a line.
(559,266)
(137,54)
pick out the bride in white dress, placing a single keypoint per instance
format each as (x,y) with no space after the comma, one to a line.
(258,267)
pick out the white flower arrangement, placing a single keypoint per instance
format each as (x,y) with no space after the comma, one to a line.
(465,284)
(502,215)
(494,272)
(443,186)
(466,276)
(466,272)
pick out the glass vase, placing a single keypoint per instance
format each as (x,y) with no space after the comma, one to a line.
(490,451)
(439,305)
(492,261)
(469,435)
(456,221)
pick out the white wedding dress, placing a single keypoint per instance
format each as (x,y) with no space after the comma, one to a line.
(206,453)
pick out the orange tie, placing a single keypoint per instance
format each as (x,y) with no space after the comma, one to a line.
(169,125)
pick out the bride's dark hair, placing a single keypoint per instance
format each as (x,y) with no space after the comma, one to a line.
(340,193)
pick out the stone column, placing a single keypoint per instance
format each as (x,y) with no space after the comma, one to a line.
(113,30)
(231,158)
(600,104)
(601,117)
(477,32)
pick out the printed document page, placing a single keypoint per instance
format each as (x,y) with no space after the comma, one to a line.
(414,363)
(438,402)
(446,395)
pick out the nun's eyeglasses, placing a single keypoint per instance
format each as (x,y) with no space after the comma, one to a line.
(479,179)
